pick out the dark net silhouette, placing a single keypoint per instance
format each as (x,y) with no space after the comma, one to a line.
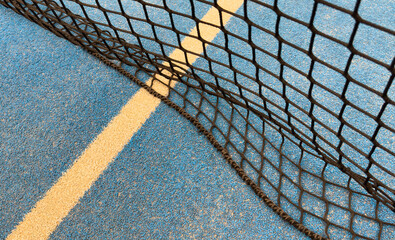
(302,112)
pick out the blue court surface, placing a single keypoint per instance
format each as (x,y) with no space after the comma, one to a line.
(168,182)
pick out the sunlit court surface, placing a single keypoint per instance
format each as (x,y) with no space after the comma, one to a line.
(197,119)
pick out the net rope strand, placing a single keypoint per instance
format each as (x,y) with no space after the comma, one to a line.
(301,166)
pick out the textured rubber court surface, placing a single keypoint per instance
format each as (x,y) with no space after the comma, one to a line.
(168,182)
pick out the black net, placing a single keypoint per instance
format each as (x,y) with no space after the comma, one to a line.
(298,96)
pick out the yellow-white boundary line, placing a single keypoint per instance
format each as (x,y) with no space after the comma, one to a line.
(47,214)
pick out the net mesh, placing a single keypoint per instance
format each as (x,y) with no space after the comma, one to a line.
(298,96)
